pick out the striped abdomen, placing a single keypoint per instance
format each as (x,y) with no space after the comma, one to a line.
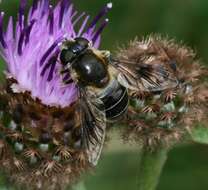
(115,98)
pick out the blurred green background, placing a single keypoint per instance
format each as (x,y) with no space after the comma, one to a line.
(184,20)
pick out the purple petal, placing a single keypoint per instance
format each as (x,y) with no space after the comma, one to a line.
(101,14)
(64,5)
(83,26)
(23,4)
(51,20)
(28,31)
(50,49)
(2,40)
(45,7)
(99,31)
(10,30)
(32,44)
(34,5)
(20,42)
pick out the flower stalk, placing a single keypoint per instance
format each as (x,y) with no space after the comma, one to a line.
(79,186)
(150,168)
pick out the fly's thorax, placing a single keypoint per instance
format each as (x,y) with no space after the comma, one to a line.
(90,69)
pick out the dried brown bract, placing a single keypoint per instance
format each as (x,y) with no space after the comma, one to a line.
(163,117)
(39,146)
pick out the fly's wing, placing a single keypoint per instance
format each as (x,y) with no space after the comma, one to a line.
(152,77)
(93,123)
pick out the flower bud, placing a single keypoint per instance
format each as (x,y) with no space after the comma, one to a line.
(165,116)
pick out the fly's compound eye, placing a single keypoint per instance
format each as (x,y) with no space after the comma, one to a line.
(83,42)
(73,50)
(66,56)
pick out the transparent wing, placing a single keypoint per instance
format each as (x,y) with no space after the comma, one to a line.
(93,123)
(156,76)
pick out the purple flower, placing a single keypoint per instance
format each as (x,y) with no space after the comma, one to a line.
(40,146)
(30,45)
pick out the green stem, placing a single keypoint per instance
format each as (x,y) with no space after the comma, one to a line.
(79,186)
(151,166)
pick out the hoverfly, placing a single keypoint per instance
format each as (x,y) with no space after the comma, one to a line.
(103,83)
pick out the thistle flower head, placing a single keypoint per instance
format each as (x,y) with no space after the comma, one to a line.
(30,45)
(39,137)
(163,117)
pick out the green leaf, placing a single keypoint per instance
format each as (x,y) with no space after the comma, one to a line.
(200,134)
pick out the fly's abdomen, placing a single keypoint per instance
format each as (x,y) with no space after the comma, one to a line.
(115,98)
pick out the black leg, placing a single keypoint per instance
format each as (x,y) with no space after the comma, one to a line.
(64,71)
(68,81)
